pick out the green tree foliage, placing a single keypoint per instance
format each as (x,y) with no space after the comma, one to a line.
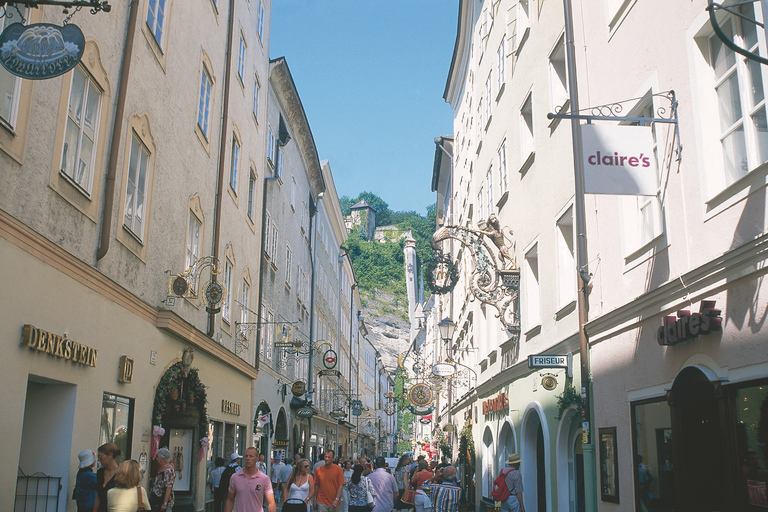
(405,418)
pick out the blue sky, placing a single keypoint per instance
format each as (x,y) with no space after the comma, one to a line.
(371,76)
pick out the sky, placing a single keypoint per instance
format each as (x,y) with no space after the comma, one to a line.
(371,76)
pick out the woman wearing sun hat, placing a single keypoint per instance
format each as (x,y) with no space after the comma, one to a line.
(515,485)
(85,482)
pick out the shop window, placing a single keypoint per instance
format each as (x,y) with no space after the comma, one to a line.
(751,432)
(117,423)
(654,467)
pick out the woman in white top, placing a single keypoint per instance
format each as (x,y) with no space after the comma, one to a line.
(300,488)
(126,494)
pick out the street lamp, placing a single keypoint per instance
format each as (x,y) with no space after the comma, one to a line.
(447,327)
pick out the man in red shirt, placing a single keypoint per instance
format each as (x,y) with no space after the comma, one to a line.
(329,481)
(250,487)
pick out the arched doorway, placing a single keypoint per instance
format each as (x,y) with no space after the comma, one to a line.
(280,444)
(534,466)
(570,464)
(487,461)
(506,444)
(264,432)
(697,426)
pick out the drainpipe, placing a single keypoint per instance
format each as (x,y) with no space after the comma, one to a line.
(590,477)
(222,147)
(117,133)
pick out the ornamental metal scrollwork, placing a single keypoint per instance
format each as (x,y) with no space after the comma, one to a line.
(495,277)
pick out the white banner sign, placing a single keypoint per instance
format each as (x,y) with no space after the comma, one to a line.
(618,160)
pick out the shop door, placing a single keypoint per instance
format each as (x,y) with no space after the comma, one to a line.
(699,434)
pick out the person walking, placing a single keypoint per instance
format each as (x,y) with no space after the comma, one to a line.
(401,476)
(160,498)
(85,482)
(105,476)
(277,468)
(515,485)
(421,502)
(299,488)
(359,486)
(445,494)
(345,491)
(127,495)
(214,479)
(329,480)
(249,488)
(385,485)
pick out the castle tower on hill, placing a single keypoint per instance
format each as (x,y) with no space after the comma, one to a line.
(364,215)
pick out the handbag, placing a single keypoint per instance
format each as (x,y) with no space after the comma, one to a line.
(408,496)
(369,500)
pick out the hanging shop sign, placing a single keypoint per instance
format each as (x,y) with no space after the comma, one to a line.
(298,388)
(357,407)
(618,159)
(285,339)
(425,421)
(338,414)
(125,370)
(420,395)
(228,407)
(329,373)
(305,412)
(686,325)
(420,411)
(41,50)
(329,359)
(498,404)
(552,361)
(280,443)
(449,427)
(443,370)
(58,346)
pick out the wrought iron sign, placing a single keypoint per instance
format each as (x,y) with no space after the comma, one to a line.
(186,284)
(736,10)
(495,278)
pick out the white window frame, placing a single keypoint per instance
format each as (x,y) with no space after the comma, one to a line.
(226,307)
(194,231)
(251,210)
(82,173)
(12,99)
(501,60)
(279,166)
(244,301)
(489,189)
(153,23)
(260,21)
(256,91)
(558,76)
(267,236)
(270,146)
(241,56)
(132,192)
(234,163)
(270,334)
(502,164)
(293,194)
(531,289)
(527,137)
(288,265)
(566,259)
(204,106)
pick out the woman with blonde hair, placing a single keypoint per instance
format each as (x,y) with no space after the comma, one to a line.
(127,495)
(300,488)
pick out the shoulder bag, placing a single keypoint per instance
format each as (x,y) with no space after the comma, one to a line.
(369,500)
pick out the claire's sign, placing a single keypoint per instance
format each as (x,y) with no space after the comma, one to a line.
(687,325)
(497,404)
(40,50)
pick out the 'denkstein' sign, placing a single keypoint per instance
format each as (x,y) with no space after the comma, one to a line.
(618,159)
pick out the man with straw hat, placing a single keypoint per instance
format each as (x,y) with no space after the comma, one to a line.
(514,481)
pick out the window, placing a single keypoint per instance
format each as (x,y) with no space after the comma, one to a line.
(244,302)
(251,194)
(270,341)
(156,19)
(226,308)
(260,21)
(750,421)
(279,167)
(256,90)
(10,86)
(273,238)
(500,65)
(288,265)
(267,236)
(531,289)
(79,151)
(293,194)
(740,93)
(304,217)
(270,146)
(204,108)
(241,60)
(480,206)
(652,433)
(523,19)
(488,99)
(566,261)
(502,162)
(193,239)
(641,216)
(136,188)
(489,189)
(234,164)
(264,329)
(558,77)
(527,142)
(117,423)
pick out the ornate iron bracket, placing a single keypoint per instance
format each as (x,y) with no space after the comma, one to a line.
(95,5)
(491,283)
(612,112)
(713,7)
(186,283)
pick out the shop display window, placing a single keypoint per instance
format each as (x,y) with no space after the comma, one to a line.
(751,431)
(117,423)
(654,472)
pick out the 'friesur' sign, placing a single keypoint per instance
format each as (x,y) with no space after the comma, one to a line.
(618,159)
(552,361)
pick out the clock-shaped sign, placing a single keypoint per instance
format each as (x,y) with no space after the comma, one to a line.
(214,292)
(420,395)
(179,285)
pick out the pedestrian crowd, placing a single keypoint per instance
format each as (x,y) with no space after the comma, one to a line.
(330,485)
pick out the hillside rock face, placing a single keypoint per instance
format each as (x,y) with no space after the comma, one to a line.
(388,327)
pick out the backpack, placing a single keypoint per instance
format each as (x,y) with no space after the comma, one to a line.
(500,490)
(226,476)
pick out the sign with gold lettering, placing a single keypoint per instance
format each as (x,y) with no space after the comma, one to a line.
(228,407)
(497,404)
(58,346)
(125,373)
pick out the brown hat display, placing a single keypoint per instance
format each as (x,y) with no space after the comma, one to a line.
(513,459)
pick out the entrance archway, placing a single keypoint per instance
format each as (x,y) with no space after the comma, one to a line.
(487,461)
(570,464)
(535,441)
(696,406)
(506,445)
